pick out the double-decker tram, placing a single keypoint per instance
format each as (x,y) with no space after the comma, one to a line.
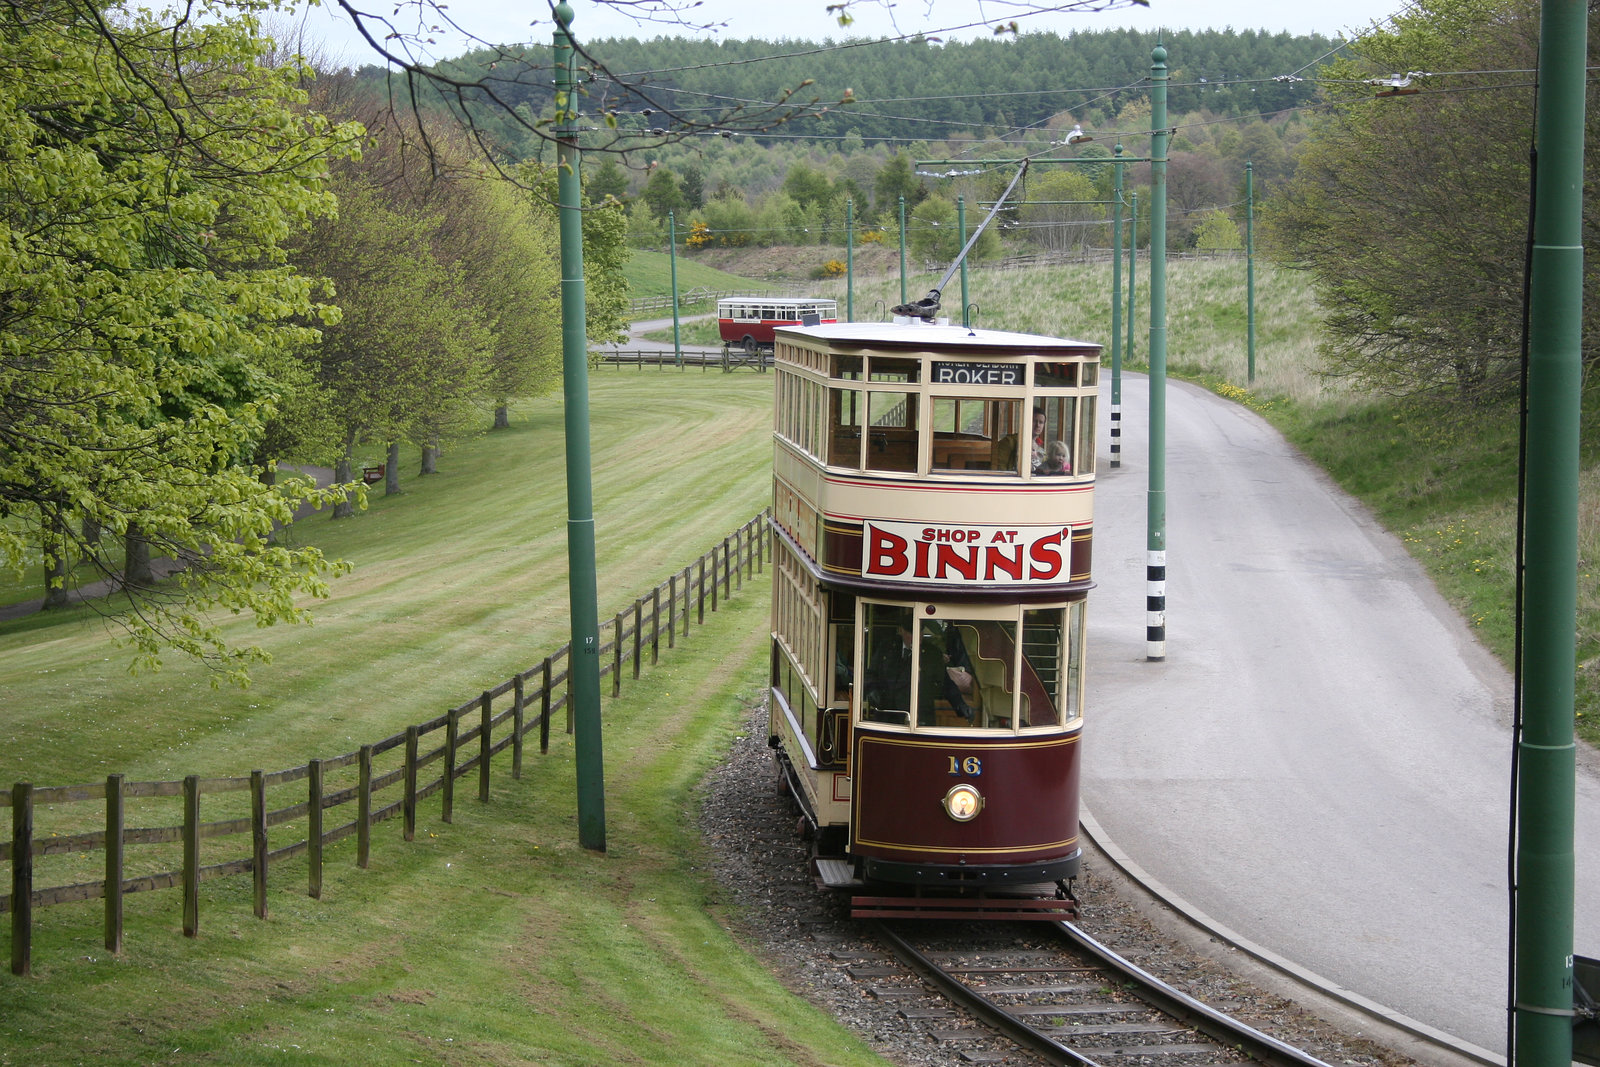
(933,491)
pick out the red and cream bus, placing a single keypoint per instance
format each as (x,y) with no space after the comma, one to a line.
(747,322)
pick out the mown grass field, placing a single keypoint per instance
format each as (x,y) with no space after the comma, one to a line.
(496,939)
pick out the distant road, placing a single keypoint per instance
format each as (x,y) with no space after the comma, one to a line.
(1322,762)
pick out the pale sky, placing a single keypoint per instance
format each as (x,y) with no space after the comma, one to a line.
(499,21)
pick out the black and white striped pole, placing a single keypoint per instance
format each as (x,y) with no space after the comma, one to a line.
(1155,608)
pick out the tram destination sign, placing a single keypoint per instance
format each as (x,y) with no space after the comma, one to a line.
(977,374)
(968,554)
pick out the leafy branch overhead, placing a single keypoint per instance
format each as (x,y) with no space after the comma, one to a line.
(152,173)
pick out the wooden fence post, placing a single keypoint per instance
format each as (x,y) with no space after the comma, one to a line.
(655,625)
(314,831)
(448,795)
(115,850)
(483,750)
(516,729)
(700,603)
(191,856)
(364,806)
(672,611)
(408,805)
(22,878)
(616,655)
(544,709)
(638,635)
(716,583)
(738,558)
(258,841)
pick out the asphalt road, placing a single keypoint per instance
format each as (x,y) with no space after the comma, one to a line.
(1322,762)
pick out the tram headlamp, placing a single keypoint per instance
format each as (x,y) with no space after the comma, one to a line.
(963,803)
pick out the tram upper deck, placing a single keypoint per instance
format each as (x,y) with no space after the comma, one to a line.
(917,455)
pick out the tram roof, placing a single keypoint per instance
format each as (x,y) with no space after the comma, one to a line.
(925,335)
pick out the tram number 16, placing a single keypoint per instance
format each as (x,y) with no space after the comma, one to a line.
(969,765)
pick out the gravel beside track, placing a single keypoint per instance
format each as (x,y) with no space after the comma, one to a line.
(766,896)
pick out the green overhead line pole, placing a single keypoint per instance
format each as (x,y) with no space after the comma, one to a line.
(902,250)
(1133,264)
(584,660)
(1156,504)
(672,258)
(1116,314)
(1545,866)
(849,259)
(1250,271)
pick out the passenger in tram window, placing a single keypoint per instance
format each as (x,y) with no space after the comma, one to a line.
(1057,459)
(1005,449)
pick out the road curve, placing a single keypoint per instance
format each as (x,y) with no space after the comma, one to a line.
(1322,762)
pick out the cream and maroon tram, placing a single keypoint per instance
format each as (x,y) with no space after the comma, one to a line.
(933,491)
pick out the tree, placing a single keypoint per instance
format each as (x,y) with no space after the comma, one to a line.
(933,234)
(692,187)
(1414,231)
(152,172)
(605,180)
(662,194)
(1218,232)
(607,236)
(1061,212)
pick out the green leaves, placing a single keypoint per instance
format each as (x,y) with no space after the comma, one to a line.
(151,173)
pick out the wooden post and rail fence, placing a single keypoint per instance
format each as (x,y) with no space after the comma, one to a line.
(383,780)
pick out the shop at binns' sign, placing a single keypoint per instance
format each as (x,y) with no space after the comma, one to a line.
(956,555)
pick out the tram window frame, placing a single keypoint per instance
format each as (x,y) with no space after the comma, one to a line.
(1059,410)
(950,425)
(846,417)
(991,717)
(892,446)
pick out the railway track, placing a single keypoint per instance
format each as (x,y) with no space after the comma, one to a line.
(1057,994)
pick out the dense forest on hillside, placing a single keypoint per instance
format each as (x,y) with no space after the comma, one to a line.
(902,92)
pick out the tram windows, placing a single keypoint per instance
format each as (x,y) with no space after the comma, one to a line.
(1056,375)
(960,440)
(844,661)
(1052,651)
(1006,457)
(846,368)
(894,369)
(1084,451)
(886,687)
(1091,374)
(846,408)
(892,431)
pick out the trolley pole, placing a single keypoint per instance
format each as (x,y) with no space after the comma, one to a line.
(672,258)
(584,662)
(849,259)
(1156,514)
(1250,271)
(1116,314)
(1545,865)
(902,250)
